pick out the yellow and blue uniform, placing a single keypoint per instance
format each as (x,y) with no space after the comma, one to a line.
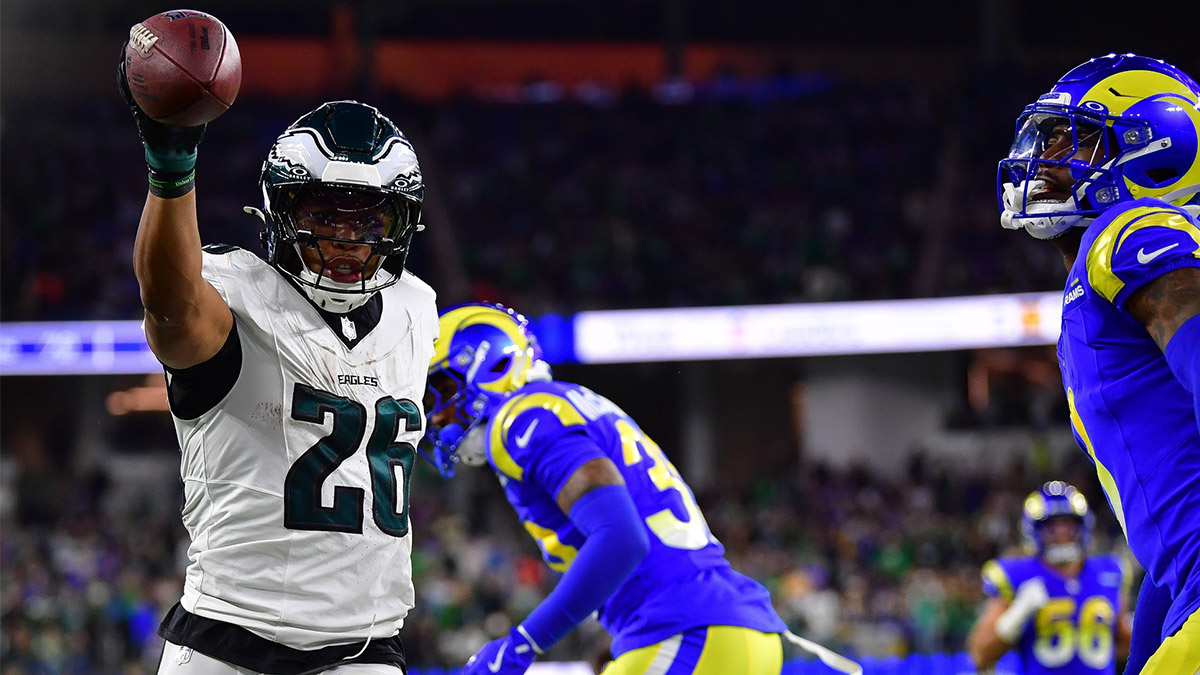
(1074,633)
(1129,412)
(539,438)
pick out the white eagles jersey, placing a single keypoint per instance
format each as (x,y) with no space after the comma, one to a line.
(296,482)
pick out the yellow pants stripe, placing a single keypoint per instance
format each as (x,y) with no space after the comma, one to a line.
(1178,654)
(727,650)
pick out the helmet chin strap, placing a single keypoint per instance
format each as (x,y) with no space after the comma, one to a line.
(339,297)
(331,296)
(1041,219)
(471,449)
(458,443)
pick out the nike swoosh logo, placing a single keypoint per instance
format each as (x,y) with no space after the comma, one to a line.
(494,666)
(1144,257)
(523,439)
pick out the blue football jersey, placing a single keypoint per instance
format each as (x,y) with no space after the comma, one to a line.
(1128,412)
(541,436)
(1075,631)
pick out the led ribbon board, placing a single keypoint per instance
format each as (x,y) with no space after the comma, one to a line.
(816,329)
(627,336)
(75,348)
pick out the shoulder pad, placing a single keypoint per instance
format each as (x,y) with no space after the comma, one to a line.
(1138,245)
(220,249)
(557,412)
(997,581)
(417,283)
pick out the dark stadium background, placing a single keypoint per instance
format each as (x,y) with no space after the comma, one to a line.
(765,152)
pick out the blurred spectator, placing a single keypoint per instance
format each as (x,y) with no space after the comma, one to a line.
(871,566)
(799,187)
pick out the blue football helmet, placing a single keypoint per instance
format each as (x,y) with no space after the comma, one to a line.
(1054,499)
(1123,126)
(483,354)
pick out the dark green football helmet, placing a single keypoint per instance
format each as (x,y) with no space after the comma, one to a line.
(349,155)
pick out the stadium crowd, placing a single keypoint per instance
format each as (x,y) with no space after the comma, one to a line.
(869,565)
(793,188)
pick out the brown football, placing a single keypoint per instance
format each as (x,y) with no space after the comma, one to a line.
(183,67)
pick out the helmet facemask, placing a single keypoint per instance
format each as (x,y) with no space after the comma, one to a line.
(345,176)
(462,439)
(1053,500)
(343,218)
(1054,140)
(484,354)
(1148,145)
(1062,553)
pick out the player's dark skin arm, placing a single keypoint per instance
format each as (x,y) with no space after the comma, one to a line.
(1124,632)
(187,320)
(596,473)
(1165,304)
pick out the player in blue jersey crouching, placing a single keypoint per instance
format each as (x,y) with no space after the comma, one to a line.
(1063,610)
(1106,166)
(604,504)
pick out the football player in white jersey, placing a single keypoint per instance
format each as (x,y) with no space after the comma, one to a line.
(294,385)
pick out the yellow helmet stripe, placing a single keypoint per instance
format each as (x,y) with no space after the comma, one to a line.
(448,324)
(1121,90)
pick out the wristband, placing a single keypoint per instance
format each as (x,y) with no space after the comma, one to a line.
(170,161)
(168,186)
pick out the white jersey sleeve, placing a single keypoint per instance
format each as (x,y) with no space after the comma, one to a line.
(296,482)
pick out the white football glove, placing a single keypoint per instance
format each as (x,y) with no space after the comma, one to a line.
(1031,596)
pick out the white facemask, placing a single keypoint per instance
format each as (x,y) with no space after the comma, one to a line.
(470,450)
(340,297)
(1061,554)
(1039,219)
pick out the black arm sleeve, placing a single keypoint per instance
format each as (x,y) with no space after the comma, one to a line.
(194,391)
